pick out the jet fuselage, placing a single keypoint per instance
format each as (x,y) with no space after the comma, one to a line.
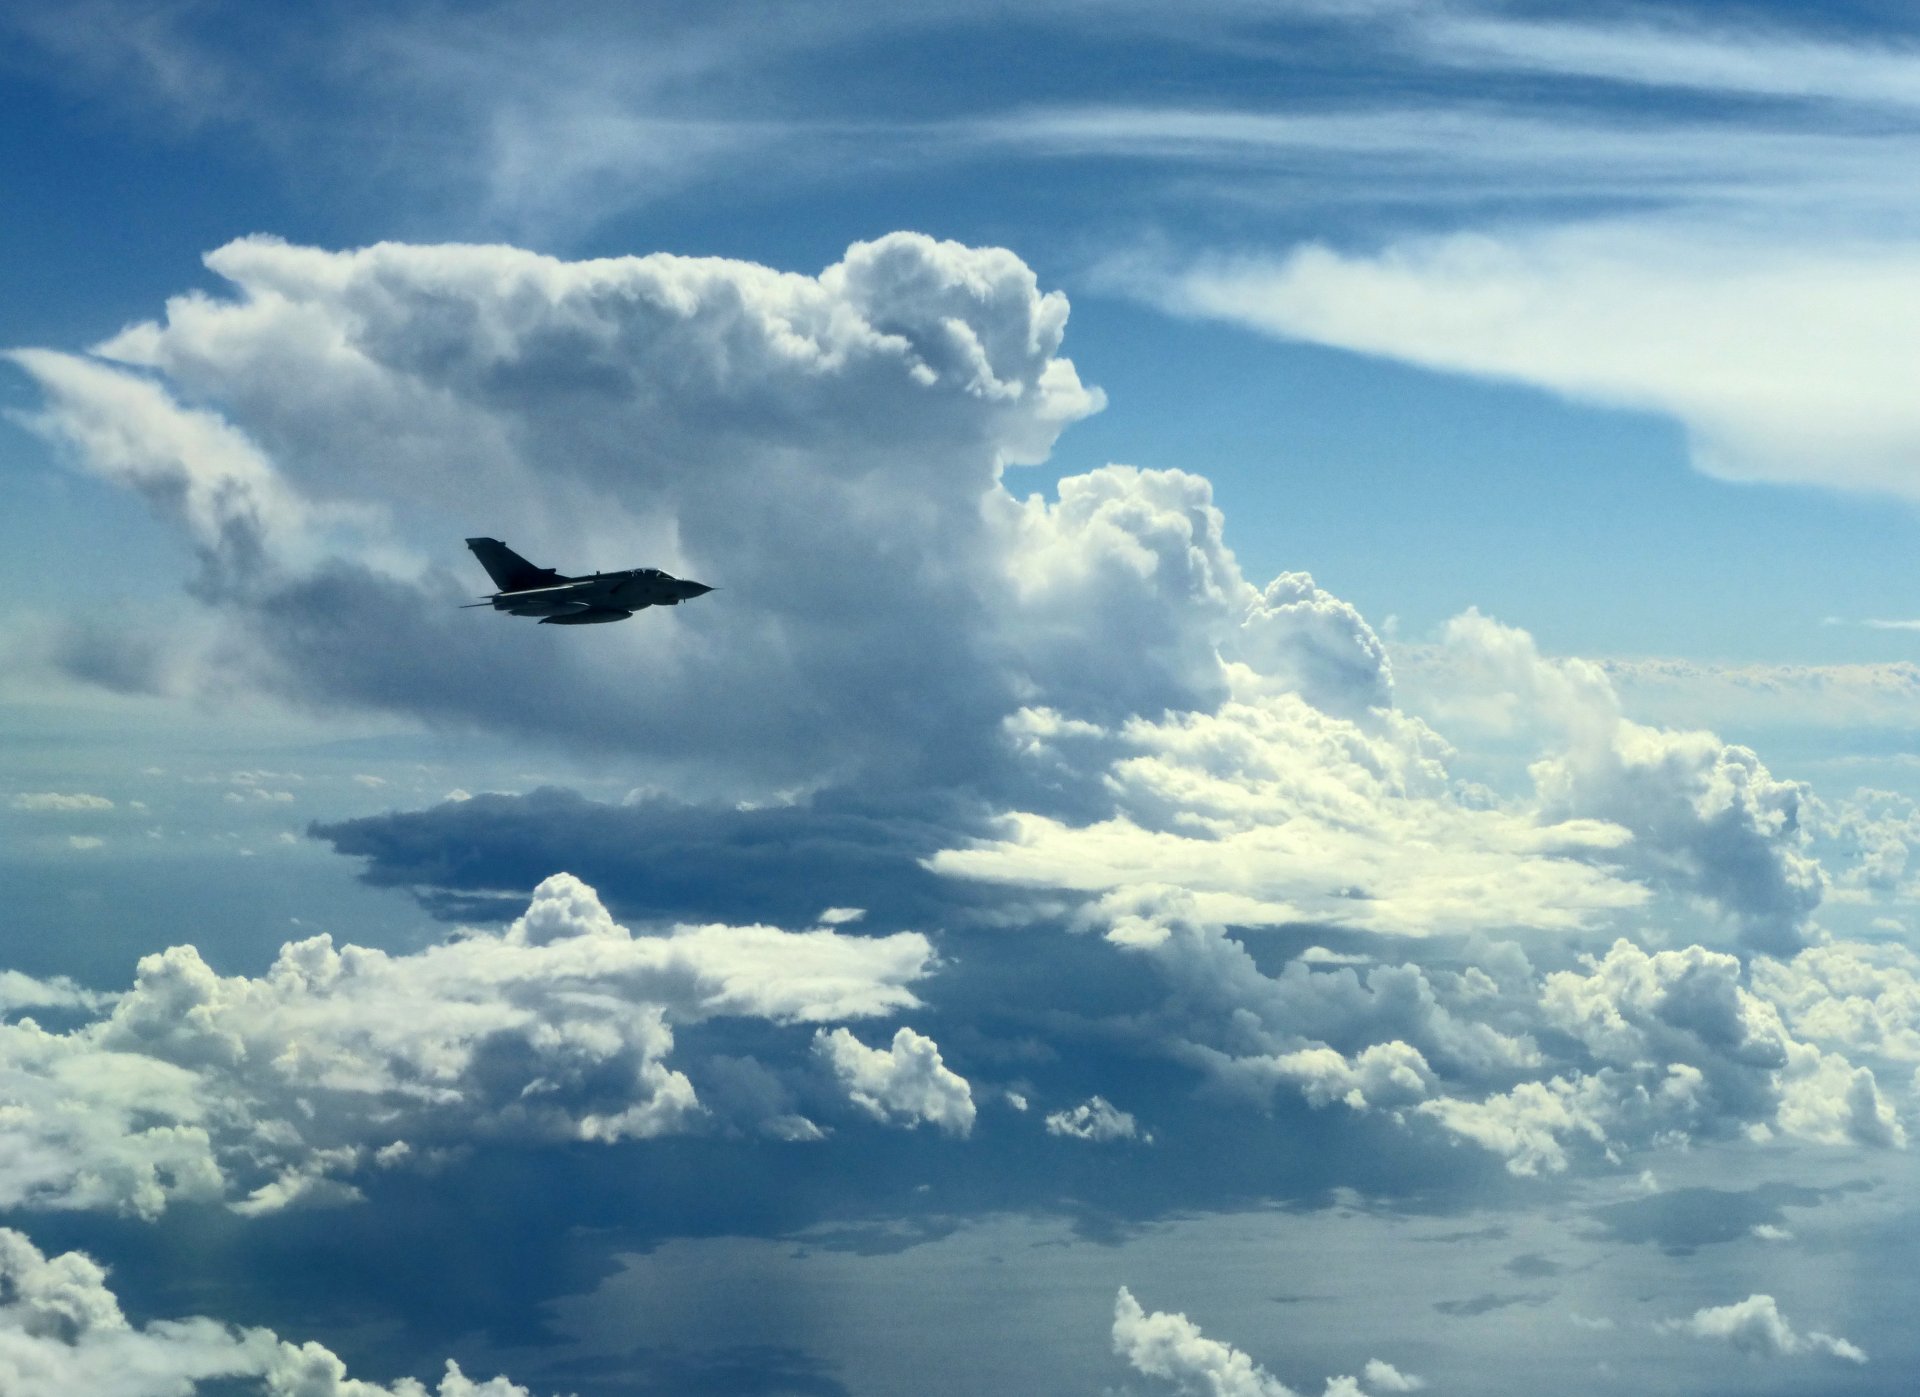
(576,601)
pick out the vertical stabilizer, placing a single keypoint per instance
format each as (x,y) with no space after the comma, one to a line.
(510,572)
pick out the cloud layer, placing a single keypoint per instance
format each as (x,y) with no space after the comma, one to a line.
(273,1091)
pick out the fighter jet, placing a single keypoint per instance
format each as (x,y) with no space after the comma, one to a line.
(526,590)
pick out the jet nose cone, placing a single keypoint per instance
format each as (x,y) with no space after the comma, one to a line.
(696,589)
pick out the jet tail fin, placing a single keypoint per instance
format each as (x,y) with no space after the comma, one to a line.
(510,572)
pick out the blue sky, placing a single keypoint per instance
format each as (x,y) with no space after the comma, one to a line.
(1301,776)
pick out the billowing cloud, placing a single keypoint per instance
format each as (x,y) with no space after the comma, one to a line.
(1269,811)
(1173,1348)
(273,1091)
(823,449)
(1072,710)
(905,1082)
(1756,1326)
(1095,1119)
(62,1331)
(1707,818)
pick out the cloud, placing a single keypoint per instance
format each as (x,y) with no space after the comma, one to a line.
(1172,1347)
(1095,1119)
(1756,1326)
(57,801)
(656,856)
(906,1082)
(1270,811)
(824,448)
(1708,819)
(1728,60)
(62,1331)
(1653,315)
(198,1086)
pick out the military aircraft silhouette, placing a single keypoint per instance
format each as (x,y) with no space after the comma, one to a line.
(526,590)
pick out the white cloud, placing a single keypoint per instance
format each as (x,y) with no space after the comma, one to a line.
(906,1082)
(198,1085)
(59,801)
(723,420)
(1848,995)
(1721,60)
(1173,1348)
(1384,1377)
(1271,811)
(1756,1326)
(1707,818)
(1781,360)
(18,991)
(1095,1119)
(62,1332)
(1380,1075)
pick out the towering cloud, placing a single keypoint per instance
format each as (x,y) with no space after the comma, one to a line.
(818,447)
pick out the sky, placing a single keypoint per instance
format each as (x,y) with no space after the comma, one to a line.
(1300,777)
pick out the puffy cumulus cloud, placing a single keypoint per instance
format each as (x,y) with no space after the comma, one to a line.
(59,801)
(1873,833)
(1708,820)
(1098,1120)
(1629,1051)
(1380,1075)
(1126,590)
(1848,994)
(1756,1326)
(276,1089)
(1172,1347)
(1531,1124)
(825,448)
(1653,315)
(62,1331)
(1305,796)
(1303,639)
(1726,1051)
(1271,811)
(905,1082)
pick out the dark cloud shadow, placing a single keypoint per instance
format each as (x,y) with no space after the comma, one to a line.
(476,860)
(1683,1220)
(1488,1303)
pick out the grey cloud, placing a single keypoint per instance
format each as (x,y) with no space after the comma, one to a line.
(819,447)
(657,857)
(1685,1219)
